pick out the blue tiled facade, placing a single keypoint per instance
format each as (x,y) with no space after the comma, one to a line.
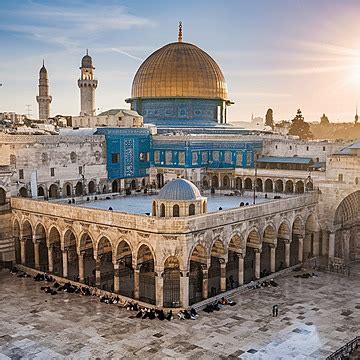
(127,152)
(131,152)
(180,111)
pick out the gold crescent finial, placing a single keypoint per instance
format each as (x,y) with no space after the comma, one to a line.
(43,62)
(180,32)
(87,51)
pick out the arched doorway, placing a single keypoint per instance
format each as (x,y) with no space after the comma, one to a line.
(40,235)
(145,261)
(171,282)
(253,243)
(215,181)
(53,191)
(297,231)
(79,189)
(198,265)
(56,251)
(105,264)
(29,245)
(226,182)
(248,184)
(309,186)
(162,210)
(126,271)
(91,187)
(23,192)
(279,186)
(214,272)
(16,234)
(259,185)
(87,256)
(133,185)
(2,196)
(70,245)
(268,185)
(205,182)
(232,266)
(67,190)
(289,187)
(115,186)
(176,210)
(41,191)
(283,238)
(238,183)
(299,187)
(268,244)
(312,241)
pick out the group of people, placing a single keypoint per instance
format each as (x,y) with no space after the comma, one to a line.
(217,305)
(305,275)
(263,284)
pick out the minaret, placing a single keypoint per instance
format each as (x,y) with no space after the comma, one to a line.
(87,85)
(44,99)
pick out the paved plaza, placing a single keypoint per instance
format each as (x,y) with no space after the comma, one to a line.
(317,315)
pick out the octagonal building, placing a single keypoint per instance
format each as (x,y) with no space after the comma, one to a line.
(180,85)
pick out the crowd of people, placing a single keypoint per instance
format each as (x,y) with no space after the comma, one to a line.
(218,305)
(262,284)
(305,275)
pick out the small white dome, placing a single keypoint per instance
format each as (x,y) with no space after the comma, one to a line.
(179,189)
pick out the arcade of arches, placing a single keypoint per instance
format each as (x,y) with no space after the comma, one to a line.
(135,270)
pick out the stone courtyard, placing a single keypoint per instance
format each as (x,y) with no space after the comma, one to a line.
(317,315)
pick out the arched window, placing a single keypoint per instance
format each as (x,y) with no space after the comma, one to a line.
(154,208)
(73,156)
(341,177)
(191,209)
(176,211)
(162,210)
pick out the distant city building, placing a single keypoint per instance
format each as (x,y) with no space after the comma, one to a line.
(44,99)
(87,84)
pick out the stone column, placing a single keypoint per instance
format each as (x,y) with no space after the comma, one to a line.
(332,244)
(97,272)
(257,263)
(159,288)
(81,266)
(222,275)
(65,263)
(241,268)
(184,288)
(116,278)
(346,245)
(287,253)
(50,258)
(301,248)
(22,250)
(272,257)
(316,243)
(137,283)
(205,285)
(36,254)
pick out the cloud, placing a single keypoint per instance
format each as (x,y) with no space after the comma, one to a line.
(126,53)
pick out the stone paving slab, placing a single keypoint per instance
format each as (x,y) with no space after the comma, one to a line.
(316,316)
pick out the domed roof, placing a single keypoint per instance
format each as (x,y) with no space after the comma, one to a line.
(179,189)
(86,61)
(179,70)
(43,70)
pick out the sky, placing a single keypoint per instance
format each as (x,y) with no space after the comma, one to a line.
(277,54)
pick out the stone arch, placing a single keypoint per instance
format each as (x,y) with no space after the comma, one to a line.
(283,239)
(198,261)
(176,210)
(309,185)
(41,191)
(71,254)
(79,191)
(259,185)
(23,192)
(124,257)
(40,234)
(299,187)
(248,184)
(191,209)
(53,191)
(205,182)
(2,196)
(67,190)
(238,183)
(268,245)
(279,186)
(55,249)
(146,263)
(268,186)
(91,187)
(226,182)
(27,234)
(104,260)
(86,247)
(297,233)
(215,181)
(162,210)
(235,250)
(312,240)
(253,244)
(269,234)
(171,288)
(289,187)
(348,210)
(16,236)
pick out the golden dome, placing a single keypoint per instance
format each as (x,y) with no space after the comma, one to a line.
(179,70)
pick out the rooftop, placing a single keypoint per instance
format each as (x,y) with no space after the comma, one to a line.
(285,160)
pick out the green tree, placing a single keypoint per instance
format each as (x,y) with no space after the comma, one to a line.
(324,120)
(299,127)
(269,121)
